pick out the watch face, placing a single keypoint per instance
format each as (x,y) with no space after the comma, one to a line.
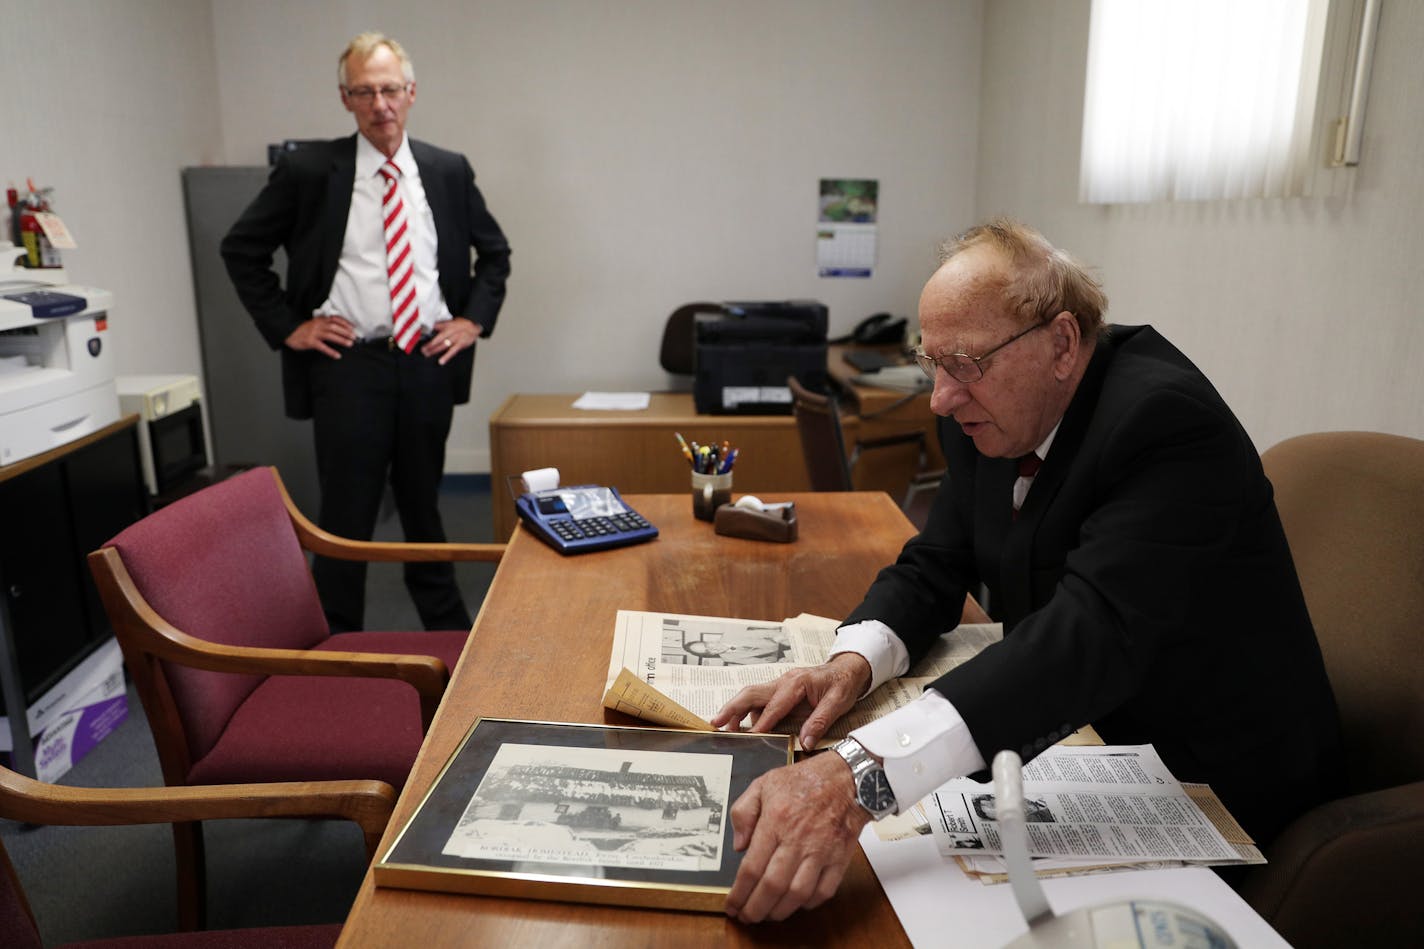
(874,793)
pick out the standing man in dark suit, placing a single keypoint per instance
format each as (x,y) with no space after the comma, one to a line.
(1119,516)
(378,321)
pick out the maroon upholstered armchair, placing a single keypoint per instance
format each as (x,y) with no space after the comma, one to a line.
(368,803)
(218,618)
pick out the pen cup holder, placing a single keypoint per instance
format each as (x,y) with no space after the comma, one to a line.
(709,492)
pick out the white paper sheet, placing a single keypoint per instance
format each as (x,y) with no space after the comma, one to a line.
(615,401)
(941,907)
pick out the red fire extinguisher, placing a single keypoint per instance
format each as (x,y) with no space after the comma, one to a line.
(39,251)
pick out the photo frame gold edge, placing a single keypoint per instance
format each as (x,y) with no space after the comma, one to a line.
(587,890)
(629,893)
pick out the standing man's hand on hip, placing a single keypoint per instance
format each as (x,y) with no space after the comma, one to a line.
(322,333)
(450,337)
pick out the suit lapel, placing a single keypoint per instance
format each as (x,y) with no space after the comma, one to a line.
(337,206)
(437,196)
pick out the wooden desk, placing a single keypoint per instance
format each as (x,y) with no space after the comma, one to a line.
(637,453)
(539,650)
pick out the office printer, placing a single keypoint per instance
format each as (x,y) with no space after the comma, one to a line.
(745,350)
(56,364)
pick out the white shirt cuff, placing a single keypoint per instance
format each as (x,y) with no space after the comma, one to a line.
(924,744)
(878,644)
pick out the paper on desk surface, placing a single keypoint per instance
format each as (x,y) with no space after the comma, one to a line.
(631,696)
(925,890)
(616,401)
(656,647)
(700,662)
(1110,804)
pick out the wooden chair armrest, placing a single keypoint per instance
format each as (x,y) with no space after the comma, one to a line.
(366,803)
(326,544)
(338,548)
(426,674)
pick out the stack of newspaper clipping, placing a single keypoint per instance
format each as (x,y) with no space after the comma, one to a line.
(1090,808)
(680,670)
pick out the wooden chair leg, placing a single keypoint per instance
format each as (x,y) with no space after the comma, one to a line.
(192,876)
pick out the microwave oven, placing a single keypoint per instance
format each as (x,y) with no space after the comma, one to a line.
(171,435)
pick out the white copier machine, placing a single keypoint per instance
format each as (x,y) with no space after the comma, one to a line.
(56,362)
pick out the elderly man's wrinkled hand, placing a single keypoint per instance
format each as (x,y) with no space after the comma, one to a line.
(829,690)
(798,826)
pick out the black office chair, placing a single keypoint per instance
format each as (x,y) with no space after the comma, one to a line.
(678,354)
(831,468)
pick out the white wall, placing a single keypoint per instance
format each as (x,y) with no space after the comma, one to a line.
(105,102)
(1305,313)
(645,153)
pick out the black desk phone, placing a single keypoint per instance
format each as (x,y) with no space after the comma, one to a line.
(588,517)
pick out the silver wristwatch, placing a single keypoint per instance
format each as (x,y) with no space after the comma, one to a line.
(872,788)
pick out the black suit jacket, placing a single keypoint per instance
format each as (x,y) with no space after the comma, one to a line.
(1146,587)
(303,209)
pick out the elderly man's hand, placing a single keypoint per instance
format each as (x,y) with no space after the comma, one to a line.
(829,689)
(797,825)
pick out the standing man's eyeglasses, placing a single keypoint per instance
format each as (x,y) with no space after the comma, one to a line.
(962,366)
(366,95)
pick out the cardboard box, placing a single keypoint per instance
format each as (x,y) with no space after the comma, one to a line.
(76,714)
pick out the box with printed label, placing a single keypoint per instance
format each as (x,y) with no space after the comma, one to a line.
(76,714)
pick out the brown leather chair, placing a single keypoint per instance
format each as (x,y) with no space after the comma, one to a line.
(367,803)
(216,612)
(1343,874)
(831,467)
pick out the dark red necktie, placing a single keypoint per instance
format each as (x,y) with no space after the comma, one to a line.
(1028,469)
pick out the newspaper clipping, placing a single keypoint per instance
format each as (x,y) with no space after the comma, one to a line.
(1115,803)
(701,662)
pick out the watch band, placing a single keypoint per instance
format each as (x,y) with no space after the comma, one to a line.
(872,788)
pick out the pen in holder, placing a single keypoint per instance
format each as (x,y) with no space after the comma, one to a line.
(711,475)
(709,492)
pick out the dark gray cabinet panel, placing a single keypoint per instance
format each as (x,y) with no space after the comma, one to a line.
(241,375)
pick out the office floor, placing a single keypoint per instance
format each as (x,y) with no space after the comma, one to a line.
(88,882)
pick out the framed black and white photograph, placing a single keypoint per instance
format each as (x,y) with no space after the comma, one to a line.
(583,813)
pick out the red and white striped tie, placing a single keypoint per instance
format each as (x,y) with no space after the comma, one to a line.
(400,269)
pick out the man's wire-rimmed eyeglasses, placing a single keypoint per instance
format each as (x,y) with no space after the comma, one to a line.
(366,95)
(963,367)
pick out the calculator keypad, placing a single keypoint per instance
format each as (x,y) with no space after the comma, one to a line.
(589,527)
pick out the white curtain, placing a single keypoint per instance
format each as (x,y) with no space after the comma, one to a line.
(1199,99)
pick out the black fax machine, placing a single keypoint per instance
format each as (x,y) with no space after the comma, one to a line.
(744,352)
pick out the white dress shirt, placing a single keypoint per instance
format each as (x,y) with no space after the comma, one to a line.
(925,743)
(360,292)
